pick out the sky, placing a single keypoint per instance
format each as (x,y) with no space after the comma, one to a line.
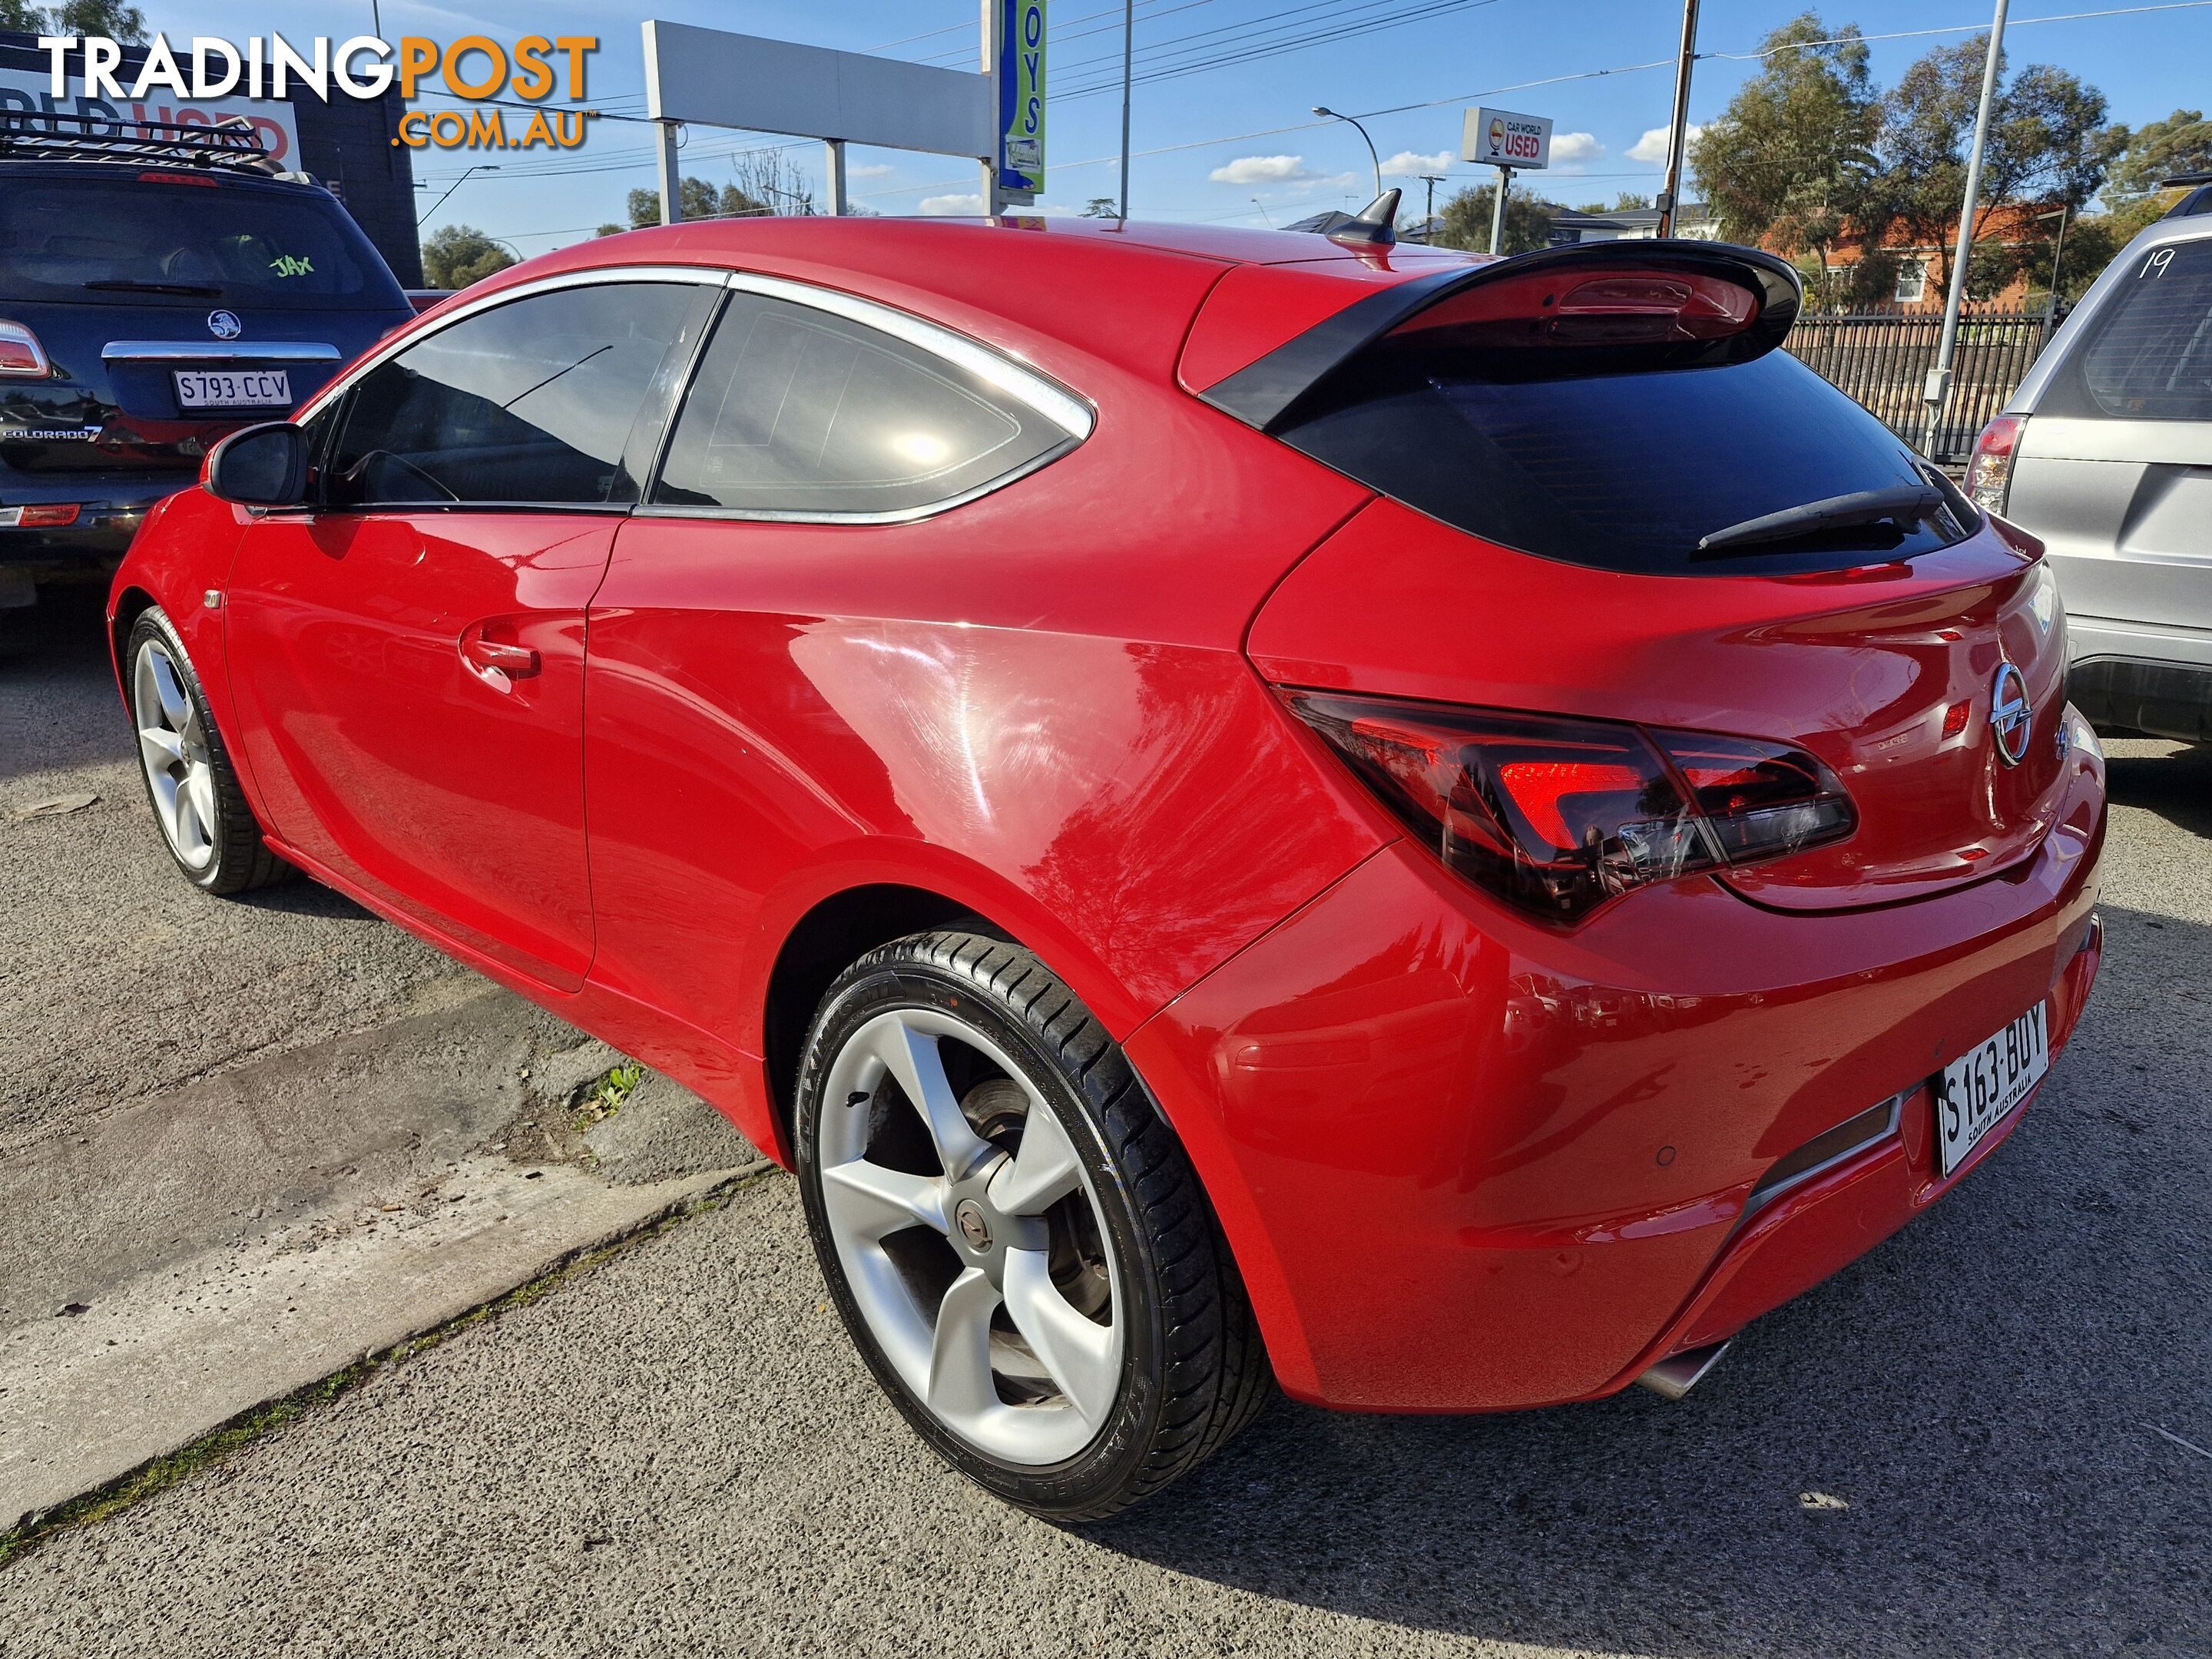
(1227,142)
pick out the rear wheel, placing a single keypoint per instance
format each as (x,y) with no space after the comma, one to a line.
(205,822)
(1013,1236)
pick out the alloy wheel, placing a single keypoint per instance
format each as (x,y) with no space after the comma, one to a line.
(172,747)
(970,1236)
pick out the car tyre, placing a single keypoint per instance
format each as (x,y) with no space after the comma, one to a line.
(204,819)
(1120,1351)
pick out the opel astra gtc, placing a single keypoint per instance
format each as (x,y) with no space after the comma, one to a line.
(1443,832)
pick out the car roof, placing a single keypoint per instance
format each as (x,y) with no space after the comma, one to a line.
(1083,280)
(77,171)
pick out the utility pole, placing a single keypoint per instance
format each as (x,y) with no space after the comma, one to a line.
(1670,195)
(1428,219)
(2058,252)
(1938,389)
(1128,49)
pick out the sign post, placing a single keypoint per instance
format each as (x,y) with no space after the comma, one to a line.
(1020,77)
(1507,141)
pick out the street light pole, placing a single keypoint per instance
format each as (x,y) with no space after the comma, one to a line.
(2058,252)
(1322,109)
(1128,49)
(1938,390)
(1670,195)
(481,166)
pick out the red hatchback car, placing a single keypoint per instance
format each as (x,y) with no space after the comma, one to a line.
(1445,832)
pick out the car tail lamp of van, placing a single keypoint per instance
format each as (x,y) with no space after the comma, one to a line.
(1989,475)
(1569,307)
(1557,815)
(21,354)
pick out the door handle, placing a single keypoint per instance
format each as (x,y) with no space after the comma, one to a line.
(517,662)
(497,665)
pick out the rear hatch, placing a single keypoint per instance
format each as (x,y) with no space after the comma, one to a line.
(1594,465)
(114,281)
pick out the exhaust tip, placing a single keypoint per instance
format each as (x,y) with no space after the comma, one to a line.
(1676,1374)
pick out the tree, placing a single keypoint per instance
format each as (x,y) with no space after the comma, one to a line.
(699,200)
(612,230)
(457,255)
(84,18)
(1788,163)
(1464,221)
(2180,143)
(1103,207)
(1627,202)
(2049,143)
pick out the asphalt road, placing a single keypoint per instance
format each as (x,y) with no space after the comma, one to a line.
(122,981)
(1952,1448)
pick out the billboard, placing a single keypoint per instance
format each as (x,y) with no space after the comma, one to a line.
(1502,138)
(1021,97)
(31,90)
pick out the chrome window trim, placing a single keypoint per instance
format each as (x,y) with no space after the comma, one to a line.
(275,351)
(1018,382)
(702,275)
(1054,402)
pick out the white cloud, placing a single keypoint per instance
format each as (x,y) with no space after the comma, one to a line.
(1411,163)
(1652,146)
(1262,170)
(1572,147)
(952,205)
(872,170)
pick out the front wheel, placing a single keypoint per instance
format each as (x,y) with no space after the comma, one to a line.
(1014,1238)
(205,821)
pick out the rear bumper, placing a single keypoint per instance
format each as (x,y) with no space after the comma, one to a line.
(1469,1164)
(110,508)
(2142,676)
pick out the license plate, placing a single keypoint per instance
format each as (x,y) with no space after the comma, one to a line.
(233,388)
(1974,1092)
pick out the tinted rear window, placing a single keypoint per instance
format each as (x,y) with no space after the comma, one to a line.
(1625,471)
(2150,357)
(230,242)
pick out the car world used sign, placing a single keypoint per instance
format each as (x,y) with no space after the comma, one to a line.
(1500,138)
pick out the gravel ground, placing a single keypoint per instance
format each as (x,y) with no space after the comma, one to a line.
(1948,1448)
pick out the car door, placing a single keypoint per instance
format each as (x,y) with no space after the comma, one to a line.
(409,651)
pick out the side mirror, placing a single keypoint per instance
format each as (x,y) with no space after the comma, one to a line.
(261,466)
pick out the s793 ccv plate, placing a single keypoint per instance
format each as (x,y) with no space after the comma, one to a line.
(1974,1092)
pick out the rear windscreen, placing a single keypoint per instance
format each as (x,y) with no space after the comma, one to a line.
(1627,471)
(118,241)
(2151,356)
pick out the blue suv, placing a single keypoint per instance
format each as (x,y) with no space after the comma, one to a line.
(160,286)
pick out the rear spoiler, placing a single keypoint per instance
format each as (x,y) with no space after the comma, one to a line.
(1266,392)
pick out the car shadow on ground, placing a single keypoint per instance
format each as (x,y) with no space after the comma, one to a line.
(1948,1448)
(2173,782)
(50,655)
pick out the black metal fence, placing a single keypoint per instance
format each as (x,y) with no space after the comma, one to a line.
(1881,358)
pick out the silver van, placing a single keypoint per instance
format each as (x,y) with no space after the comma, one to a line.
(2105,453)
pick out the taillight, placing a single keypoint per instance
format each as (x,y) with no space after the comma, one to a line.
(51,516)
(1557,816)
(1989,474)
(21,352)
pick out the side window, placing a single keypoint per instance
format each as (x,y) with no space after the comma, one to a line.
(796,410)
(2152,355)
(527,403)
